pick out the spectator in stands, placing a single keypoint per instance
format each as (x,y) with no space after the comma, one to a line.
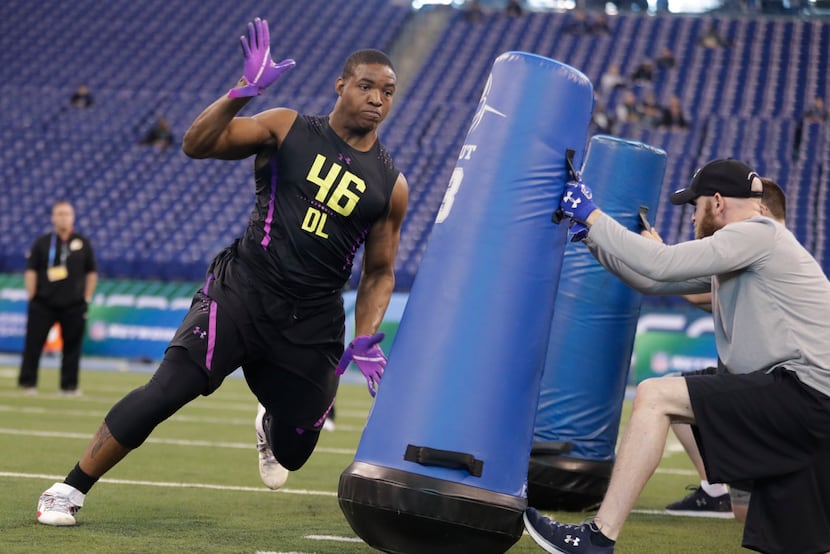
(651,110)
(666,59)
(582,24)
(160,135)
(81,98)
(271,302)
(601,120)
(473,11)
(600,25)
(628,111)
(673,116)
(643,73)
(579,25)
(711,38)
(611,79)
(60,279)
(816,113)
(514,8)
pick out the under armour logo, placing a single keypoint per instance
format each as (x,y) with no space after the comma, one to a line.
(343,158)
(572,540)
(573,201)
(198,331)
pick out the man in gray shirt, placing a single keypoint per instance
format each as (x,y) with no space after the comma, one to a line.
(768,418)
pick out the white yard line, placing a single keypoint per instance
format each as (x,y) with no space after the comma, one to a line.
(175,442)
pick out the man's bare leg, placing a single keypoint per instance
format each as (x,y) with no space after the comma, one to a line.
(684,434)
(658,402)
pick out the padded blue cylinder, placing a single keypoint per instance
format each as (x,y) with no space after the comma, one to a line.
(442,463)
(591,339)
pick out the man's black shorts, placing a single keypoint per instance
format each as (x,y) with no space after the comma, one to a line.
(771,429)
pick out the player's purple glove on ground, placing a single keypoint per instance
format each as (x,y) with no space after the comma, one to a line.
(365,352)
(260,69)
(577,201)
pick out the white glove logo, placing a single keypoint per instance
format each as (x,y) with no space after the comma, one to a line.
(573,201)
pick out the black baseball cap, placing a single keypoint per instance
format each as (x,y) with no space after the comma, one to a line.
(728,177)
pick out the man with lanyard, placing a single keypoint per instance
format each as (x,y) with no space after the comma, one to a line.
(60,279)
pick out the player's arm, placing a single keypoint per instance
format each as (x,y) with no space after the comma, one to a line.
(217,132)
(377,279)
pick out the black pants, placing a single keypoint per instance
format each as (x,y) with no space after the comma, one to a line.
(41,317)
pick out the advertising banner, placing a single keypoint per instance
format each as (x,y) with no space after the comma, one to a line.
(136,319)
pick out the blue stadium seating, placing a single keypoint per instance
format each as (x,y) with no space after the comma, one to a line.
(160,215)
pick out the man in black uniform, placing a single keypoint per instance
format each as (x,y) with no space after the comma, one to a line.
(60,279)
(272,301)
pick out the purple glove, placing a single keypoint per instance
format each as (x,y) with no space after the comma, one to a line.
(260,69)
(576,201)
(365,352)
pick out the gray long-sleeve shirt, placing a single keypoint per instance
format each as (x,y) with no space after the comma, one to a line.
(770,298)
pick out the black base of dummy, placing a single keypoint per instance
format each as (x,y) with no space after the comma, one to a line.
(400,512)
(557,482)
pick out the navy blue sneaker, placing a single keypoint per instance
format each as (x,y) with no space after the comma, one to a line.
(561,538)
(700,504)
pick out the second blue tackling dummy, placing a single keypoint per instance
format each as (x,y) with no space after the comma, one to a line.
(595,319)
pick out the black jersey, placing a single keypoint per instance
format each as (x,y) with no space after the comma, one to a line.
(316,200)
(66,287)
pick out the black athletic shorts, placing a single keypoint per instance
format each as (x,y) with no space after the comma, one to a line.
(772,430)
(738,491)
(288,353)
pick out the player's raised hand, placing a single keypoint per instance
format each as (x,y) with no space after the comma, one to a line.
(260,69)
(365,352)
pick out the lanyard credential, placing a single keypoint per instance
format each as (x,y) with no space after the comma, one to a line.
(53,251)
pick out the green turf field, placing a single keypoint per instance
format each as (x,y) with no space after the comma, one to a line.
(194,486)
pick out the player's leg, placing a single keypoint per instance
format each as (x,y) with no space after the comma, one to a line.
(294,410)
(295,386)
(73,323)
(38,323)
(177,381)
(205,349)
(272,473)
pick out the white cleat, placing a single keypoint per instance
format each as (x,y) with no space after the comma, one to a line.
(273,475)
(59,504)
